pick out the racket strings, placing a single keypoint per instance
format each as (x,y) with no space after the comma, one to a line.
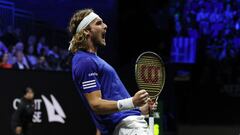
(149,76)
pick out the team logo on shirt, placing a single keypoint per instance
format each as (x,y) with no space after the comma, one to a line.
(93,74)
(89,84)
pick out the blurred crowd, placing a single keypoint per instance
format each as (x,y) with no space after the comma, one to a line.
(216,26)
(31,52)
(215,23)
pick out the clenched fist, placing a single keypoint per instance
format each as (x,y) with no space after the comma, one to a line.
(140,98)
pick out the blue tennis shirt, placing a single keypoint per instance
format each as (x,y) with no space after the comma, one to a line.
(91,73)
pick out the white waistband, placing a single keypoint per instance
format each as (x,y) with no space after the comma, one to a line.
(132,122)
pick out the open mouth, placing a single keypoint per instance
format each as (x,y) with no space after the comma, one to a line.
(103,35)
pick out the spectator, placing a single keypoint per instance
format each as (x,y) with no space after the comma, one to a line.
(41,44)
(65,60)
(20,47)
(4,62)
(229,13)
(3,48)
(216,16)
(42,64)
(32,40)
(53,58)
(202,15)
(19,61)
(178,26)
(202,19)
(55,51)
(31,58)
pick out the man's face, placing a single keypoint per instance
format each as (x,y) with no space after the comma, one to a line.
(98,31)
(30,49)
(5,57)
(19,56)
(29,95)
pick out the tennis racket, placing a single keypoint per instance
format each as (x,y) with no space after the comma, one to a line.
(150,75)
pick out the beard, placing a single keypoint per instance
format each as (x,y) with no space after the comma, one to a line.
(98,40)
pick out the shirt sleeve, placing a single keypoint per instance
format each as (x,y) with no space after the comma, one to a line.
(86,71)
(16,119)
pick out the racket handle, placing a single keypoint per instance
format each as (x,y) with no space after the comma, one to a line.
(151,119)
(151,124)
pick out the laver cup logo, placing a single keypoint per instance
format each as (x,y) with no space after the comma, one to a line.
(55,112)
(150,74)
(52,108)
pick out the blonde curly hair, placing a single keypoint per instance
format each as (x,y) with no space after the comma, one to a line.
(79,39)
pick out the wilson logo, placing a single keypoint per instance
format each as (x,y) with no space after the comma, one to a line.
(150,74)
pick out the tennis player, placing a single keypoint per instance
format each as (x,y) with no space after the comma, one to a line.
(109,104)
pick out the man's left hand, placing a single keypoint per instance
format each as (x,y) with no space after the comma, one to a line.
(149,106)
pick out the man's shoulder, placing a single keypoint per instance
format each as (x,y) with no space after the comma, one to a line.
(82,63)
(82,59)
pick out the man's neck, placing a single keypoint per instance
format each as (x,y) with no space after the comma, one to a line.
(91,48)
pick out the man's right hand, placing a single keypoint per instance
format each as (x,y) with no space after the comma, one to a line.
(18,130)
(140,98)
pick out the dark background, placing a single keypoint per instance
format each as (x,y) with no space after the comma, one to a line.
(200,97)
(56,83)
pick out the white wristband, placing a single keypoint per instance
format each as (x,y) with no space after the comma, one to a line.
(125,104)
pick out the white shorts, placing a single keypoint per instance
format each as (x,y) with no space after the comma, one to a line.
(132,125)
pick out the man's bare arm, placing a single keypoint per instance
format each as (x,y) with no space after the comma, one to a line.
(102,106)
